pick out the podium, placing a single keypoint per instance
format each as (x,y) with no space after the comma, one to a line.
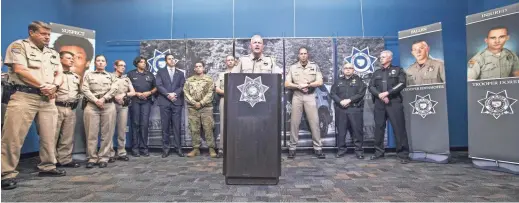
(252,128)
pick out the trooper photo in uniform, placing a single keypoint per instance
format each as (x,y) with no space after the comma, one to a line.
(99,88)
(36,73)
(68,96)
(303,78)
(386,86)
(143,82)
(256,61)
(122,99)
(198,92)
(495,61)
(220,90)
(426,70)
(348,95)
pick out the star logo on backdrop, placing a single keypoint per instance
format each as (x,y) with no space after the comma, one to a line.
(497,104)
(423,106)
(158,61)
(362,61)
(252,91)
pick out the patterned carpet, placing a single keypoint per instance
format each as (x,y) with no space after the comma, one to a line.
(304,179)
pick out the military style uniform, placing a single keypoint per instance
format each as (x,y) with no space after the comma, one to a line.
(26,104)
(486,65)
(200,89)
(123,87)
(220,83)
(66,102)
(393,80)
(263,64)
(298,74)
(349,118)
(432,71)
(140,110)
(97,85)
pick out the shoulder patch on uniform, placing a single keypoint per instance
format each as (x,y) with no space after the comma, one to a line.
(472,62)
(16,48)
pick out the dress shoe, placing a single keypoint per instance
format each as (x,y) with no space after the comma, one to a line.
(9,184)
(90,165)
(180,153)
(376,156)
(103,164)
(52,173)
(194,152)
(123,158)
(165,153)
(220,154)
(404,160)
(340,153)
(111,160)
(136,154)
(145,154)
(69,165)
(291,154)
(319,154)
(360,156)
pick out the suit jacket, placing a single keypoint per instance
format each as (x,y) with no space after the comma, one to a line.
(165,85)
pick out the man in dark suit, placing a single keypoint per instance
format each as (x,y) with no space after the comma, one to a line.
(170,82)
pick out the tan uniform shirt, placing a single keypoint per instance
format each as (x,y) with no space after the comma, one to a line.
(123,84)
(486,65)
(220,81)
(99,84)
(432,71)
(298,74)
(264,64)
(69,89)
(42,64)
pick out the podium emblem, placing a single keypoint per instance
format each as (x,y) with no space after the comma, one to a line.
(497,104)
(423,106)
(252,91)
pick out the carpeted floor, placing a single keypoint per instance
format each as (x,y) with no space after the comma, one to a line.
(304,179)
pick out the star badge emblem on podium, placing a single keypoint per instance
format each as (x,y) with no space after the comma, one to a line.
(423,106)
(497,104)
(252,91)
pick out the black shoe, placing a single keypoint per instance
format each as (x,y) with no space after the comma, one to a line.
(69,165)
(111,160)
(319,154)
(165,153)
(220,154)
(376,156)
(180,153)
(52,173)
(135,154)
(90,165)
(145,154)
(291,154)
(123,158)
(404,160)
(340,153)
(9,184)
(103,164)
(360,156)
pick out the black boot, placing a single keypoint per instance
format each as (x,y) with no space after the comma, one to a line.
(9,184)
(291,154)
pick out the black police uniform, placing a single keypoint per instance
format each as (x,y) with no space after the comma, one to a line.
(393,80)
(140,110)
(349,118)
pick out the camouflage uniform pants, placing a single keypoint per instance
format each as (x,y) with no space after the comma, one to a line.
(201,118)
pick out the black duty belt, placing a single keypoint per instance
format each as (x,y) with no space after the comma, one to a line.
(106,100)
(27,89)
(72,105)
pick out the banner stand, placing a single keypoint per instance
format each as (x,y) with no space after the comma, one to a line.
(429,157)
(495,165)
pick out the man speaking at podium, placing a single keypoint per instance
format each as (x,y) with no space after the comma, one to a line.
(256,62)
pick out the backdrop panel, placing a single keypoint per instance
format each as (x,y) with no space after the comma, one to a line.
(363,53)
(322,52)
(81,42)
(154,51)
(212,52)
(425,102)
(493,85)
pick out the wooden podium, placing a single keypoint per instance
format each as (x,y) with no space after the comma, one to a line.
(252,128)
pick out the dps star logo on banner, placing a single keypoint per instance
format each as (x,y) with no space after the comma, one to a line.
(158,61)
(362,61)
(497,104)
(252,91)
(423,106)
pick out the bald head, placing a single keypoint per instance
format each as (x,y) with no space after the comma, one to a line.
(256,45)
